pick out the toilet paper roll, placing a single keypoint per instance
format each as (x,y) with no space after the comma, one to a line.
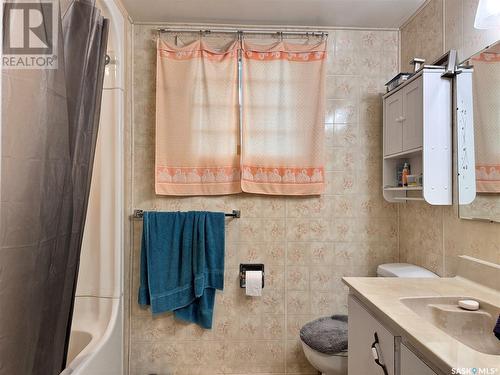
(253,283)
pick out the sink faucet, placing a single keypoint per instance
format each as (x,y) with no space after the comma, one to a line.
(496,330)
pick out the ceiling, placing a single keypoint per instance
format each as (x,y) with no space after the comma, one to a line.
(321,13)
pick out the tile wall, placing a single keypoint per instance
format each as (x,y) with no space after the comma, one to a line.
(307,244)
(433,236)
(422,36)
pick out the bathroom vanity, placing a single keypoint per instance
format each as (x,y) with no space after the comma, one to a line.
(415,327)
(393,353)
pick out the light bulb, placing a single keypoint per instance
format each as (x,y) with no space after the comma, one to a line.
(487,14)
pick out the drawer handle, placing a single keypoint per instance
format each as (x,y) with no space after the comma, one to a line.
(375,353)
(400,119)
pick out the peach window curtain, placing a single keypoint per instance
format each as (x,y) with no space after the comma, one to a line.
(486,80)
(283,117)
(197,119)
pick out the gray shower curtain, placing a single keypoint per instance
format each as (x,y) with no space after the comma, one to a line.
(48,135)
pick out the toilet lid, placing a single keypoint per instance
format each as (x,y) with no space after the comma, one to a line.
(403,270)
(326,335)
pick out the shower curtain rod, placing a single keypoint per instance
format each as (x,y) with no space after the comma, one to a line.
(313,33)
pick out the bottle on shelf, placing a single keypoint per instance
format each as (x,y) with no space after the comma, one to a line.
(399,175)
(405,173)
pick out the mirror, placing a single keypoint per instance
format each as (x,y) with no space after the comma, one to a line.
(478,135)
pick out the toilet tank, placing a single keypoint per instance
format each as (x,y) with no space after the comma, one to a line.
(403,270)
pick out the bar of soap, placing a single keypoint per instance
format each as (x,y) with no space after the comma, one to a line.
(468,304)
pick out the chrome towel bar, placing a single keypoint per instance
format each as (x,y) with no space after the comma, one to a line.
(138,214)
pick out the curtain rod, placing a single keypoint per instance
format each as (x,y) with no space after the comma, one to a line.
(313,33)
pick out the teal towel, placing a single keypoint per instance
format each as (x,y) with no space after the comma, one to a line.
(182,263)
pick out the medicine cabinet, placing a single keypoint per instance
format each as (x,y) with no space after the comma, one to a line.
(418,131)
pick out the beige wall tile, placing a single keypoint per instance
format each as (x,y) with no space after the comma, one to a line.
(433,237)
(423,35)
(306,243)
(465,237)
(421,235)
(296,361)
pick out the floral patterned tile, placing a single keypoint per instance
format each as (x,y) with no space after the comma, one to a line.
(147,328)
(294,323)
(318,206)
(342,87)
(296,361)
(297,278)
(307,244)
(298,302)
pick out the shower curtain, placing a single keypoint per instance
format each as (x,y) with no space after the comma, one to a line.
(48,135)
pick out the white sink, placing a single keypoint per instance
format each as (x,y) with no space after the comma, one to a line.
(472,328)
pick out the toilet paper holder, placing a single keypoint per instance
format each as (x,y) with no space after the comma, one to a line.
(250,267)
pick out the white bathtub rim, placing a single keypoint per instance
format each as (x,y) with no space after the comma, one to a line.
(92,315)
(96,344)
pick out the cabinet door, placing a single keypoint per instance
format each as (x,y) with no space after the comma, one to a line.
(412,115)
(362,329)
(412,365)
(393,116)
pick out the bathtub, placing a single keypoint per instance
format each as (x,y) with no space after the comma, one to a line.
(96,338)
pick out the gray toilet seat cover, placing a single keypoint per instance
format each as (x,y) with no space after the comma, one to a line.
(326,335)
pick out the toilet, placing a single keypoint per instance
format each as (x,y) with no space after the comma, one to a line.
(336,364)
(403,270)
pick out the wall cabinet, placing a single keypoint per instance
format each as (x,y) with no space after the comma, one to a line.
(403,126)
(418,130)
(412,115)
(393,129)
(364,331)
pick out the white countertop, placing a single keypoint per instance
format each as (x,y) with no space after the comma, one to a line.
(382,296)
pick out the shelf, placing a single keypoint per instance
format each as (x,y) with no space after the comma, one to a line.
(403,188)
(417,129)
(405,154)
